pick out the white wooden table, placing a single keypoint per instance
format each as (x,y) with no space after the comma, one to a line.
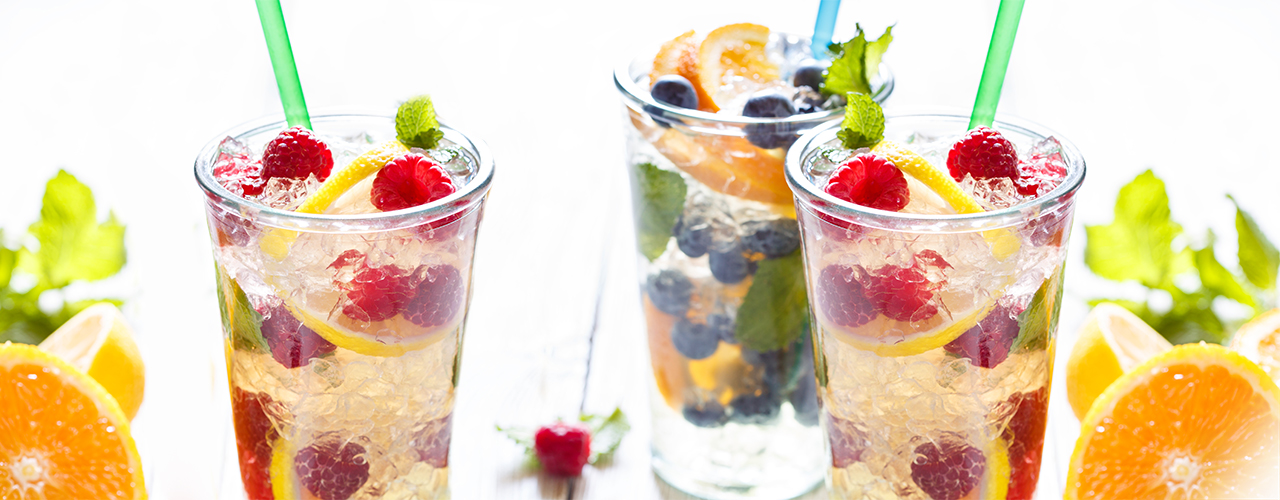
(123,94)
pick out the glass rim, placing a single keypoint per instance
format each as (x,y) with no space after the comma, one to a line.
(640,96)
(381,221)
(809,195)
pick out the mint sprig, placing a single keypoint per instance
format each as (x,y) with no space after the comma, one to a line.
(863,124)
(773,313)
(657,198)
(238,315)
(1258,257)
(417,125)
(855,62)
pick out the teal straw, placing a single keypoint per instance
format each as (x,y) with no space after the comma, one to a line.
(824,27)
(295,107)
(984,108)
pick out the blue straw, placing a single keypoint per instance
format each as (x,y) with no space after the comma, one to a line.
(824,27)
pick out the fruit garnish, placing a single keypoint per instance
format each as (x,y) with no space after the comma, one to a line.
(984,154)
(730,266)
(855,63)
(239,173)
(1025,435)
(730,165)
(292,344)
(769,104)
(409,181)
(296,153)
(772,238)
(846,442)
(674,90)
(670,291)
(756,408)
(706,414)
(377,293)
(809,75)
(437,298)
(1040,173)
(949,468)
(679,56)
(987,344)
(1259,340)
(842,298)
(732,60)
(1111,342)
(871,181)
(1198,421)
(254,435)
(99,342)
(863,124)
(670,369)
(564,448)
(330,468)
(657,199)
(694,340)
(62,434)
(904,293)
(416,123)
(937,180)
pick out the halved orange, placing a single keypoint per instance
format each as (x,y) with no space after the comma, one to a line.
(732,61)
(1198,421)
(679,56)
(62,436)
(1259,340)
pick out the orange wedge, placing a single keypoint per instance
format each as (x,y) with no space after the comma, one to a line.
(62,436)
(1196,422)
(1259,340)
(732,60)
(679,56)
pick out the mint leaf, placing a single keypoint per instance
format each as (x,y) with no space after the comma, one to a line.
(606,434)
(524,438)
(863,122)
(773,312)
(239,319)
(1215,278)
(73,245)
(1190,320)
(1138,244)
(416,123)
(1040,319)
(8,258)
(657,197)
(874,53)
(854,63)
(1258,257)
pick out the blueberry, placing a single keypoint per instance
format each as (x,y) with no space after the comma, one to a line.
(773,238)
(809,75)
(806,106)
(694,340)
(770,104)
(660,117)
(674,90)
(705,414)
(693,237)
(670,291)
(732,266)
(755,408)
(724,327)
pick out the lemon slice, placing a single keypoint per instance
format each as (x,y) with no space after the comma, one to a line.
(1111,342)
(97,341)
(732,60)
(392,337)
(1003,242)
(891,338)
(1259,340)
(284,481)
(995,479)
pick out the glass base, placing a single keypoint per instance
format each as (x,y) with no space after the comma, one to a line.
(784,488)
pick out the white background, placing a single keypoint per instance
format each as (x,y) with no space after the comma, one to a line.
(123,94)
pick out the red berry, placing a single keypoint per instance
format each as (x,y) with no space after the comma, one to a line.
(987,343)
(1025,436)
(847,442)
(871,181)
(292,343)
(562,448)
(432,442)
(1040,174)
(438,297)
(947,469)
(903,293)
(239,174)
(984,154)
(331,469)
(409,181)
(254,434)
(843,298)
(296,153)
(377,293)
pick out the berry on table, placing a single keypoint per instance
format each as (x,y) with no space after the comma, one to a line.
(674,90)
(292,343)
(670,291)
(563,448)
(984,154)
(438,297)
(694,340)
(331,469)
(870,180)
(842,296)
(295,154)
(773,238)
(409,181)
(947,469)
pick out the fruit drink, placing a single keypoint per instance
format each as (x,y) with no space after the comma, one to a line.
(709,119)
(934,259)
(344,274)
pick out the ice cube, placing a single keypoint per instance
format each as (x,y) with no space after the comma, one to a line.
(286,193)
(236,170)
(994,193)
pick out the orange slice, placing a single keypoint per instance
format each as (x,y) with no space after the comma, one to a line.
(1198,421)
(732,61)
(679,56)
(1259,340)
(730,165)
(62,436)
(669,370)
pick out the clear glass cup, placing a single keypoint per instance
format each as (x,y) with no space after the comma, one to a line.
(732,417)
(961,375)
(327,395)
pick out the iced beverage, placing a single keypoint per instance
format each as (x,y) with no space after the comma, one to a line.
(344,274)
(934,257)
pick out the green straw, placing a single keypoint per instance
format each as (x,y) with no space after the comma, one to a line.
(984,108)
(295,107)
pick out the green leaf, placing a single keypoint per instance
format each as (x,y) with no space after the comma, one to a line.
(773,312)
(73,245)
(239,319)
(1040,319)
(1215,278)
(1258,257)
(1138,244)
(1190,320)
(875,52)
(863,122)
(524,438)
(657,196)
(854,63)
(606,433)
(8,259)
(416,123)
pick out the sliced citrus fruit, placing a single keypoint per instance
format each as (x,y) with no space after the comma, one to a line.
(995,478)
(891,338)
(391,337)
(1111,342)
(1198,421)
(284,481)
(669,369)
(1259,340)
(730,165)
(97,341)
(62,436)
(679,56)
(732,61)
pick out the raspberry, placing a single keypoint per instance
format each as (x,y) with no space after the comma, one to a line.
(987,343)
(292,343)
(239,174)
(562,448)
(409,181)
(871,181)
(438,297)
(843,297)
(1025,436)
(948,469)
(296,153)
(902,293)
(254,434)
(983,154)
(377,293)
(231,228)
(330,469)
(432,442)
(1040,174)
(847,442)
